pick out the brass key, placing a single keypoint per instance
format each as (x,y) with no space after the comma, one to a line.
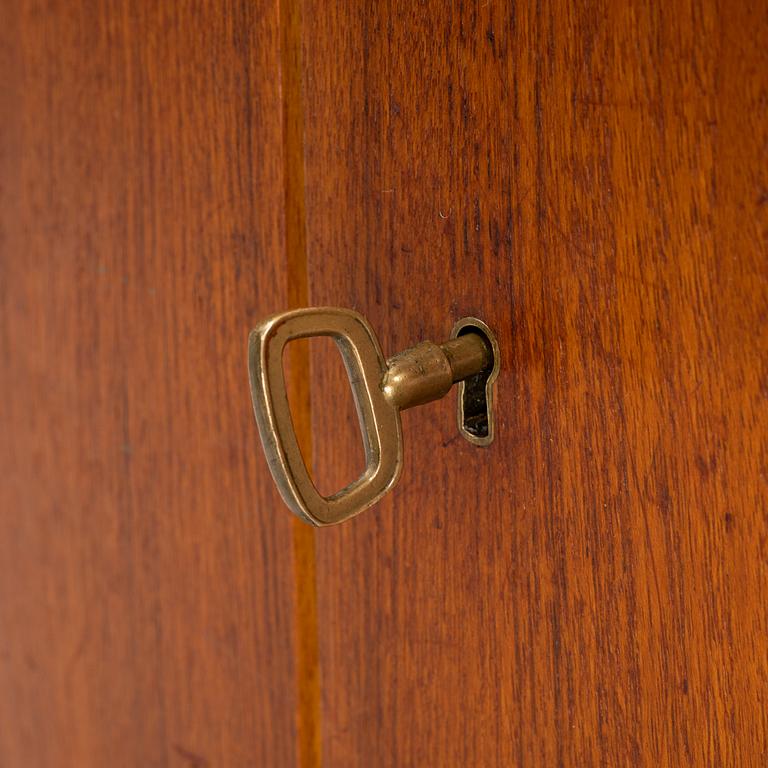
(380,388)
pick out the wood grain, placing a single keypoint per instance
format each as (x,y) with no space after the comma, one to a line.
(591,179)
(147,606)
(297,373)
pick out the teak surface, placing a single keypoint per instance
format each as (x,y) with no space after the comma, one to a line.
(591,179)
(146,577)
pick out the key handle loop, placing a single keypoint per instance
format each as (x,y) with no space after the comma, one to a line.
(379,419)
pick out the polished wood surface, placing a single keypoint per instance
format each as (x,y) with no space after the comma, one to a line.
(592,181)
(147,604)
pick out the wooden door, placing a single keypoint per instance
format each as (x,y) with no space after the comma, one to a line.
(146,605)
(590,179)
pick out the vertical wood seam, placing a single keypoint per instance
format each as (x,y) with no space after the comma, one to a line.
(306,644)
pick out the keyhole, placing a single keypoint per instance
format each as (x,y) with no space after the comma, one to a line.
(475,396)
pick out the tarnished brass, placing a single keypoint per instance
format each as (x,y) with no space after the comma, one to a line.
(381,389)
(427,371)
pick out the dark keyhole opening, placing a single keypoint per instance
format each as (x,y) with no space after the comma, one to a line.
(476,409)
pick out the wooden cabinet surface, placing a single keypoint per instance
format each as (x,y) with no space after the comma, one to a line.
(590,179)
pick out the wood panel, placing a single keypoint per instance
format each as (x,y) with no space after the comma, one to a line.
(146,576)
(591,180)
